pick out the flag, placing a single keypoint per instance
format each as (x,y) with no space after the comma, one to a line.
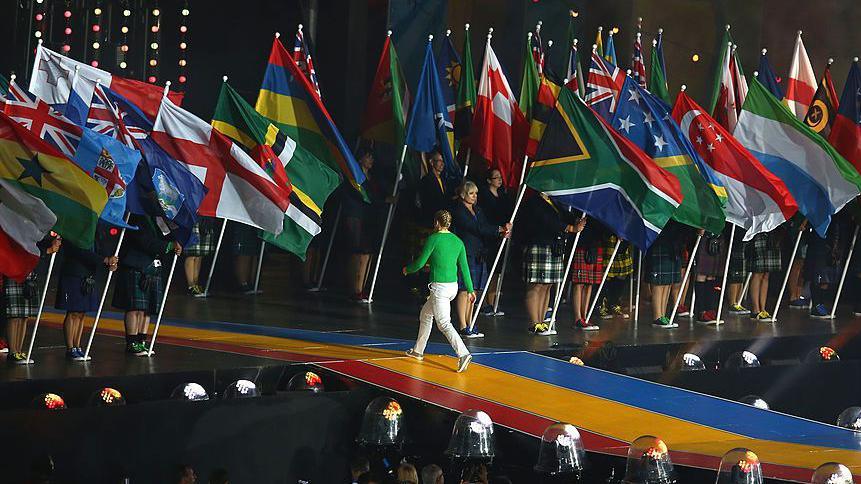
(177,191)
(429,127)
(574,72)
(4,85)
(583,163)
(54,73)
(239,188)
(801,82)
(824,106)
(610,51)
(599,44)
(450,69)
(757,200)
(39,169)
(41,119)
(499,128)
(24,221)
(529,81)
(537,48)
(638,67)
(545,103)
(384,119)
(846,132)
(658,69)
(819,178)
(645,120)
(603,86)
(302,57)
(465,92)
(766,76)
(289,100)
(732,90)
(310,180)
(718,85)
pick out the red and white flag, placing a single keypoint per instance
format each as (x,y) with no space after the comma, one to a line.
(801,84)
(24,221)
(499,128)
(733,90)
(239,188)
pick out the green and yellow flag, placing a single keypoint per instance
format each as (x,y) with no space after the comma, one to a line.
(385,119)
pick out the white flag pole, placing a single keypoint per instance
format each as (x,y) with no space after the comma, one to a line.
(161,307)
(215,258)
(603,280)
(41,308)
(328,251)
(786,277)
(561,289)
(843,274)
(388,225)
(259,267)
(639,279)
(685,278)
(725,273)
(744,289)
(466,163)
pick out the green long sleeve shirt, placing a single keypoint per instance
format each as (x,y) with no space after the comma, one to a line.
(445,253)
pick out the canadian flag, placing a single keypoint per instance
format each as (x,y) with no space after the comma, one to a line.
(801,85)
(24,221)
(499,128)
(239,188)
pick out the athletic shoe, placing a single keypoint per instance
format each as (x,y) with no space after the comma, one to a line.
(78,354)
(139,349)
(683,311)
(820,312)
(538,328)
(763,316)
(4,348)
(196,291)
(618,311)
(70,354)
(799,303)
(131,348)
(499,313)
(664,322)
(487,311)
(463,362)
(707,317)
(738,309)
(548,331)
(464,332)
(473,333)
(413,354)
(604,312)
(19,358)
(584,325)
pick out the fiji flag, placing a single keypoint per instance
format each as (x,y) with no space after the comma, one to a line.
(449,73)
(429,126)
(113,165)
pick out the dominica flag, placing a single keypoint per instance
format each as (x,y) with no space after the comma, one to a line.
(40,170)
(288,99)
(465,92)
(385,113)
(583,163)
(529,81)
(658,69)
(312,181)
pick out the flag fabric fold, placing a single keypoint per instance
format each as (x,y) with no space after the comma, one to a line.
(658,69)
(801,82)
(823,108)
(846,132)
(638,67)
(529,81)
(384,119)
(450,69)
(767,77)
(603,86)
(24,221)
(465,92)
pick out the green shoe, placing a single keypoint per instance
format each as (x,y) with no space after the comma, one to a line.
(664,322)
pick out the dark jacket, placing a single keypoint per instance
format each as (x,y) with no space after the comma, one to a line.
(86,262)
(497,209)
(430,199)
(141,247)
(473,230)
(540,223)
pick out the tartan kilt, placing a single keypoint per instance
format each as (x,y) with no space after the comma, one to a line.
(130,296)
(583,272)
(623,263)
(764,257)
(205,245)
(15,300)
(737,263)
(541,266)
(663,265)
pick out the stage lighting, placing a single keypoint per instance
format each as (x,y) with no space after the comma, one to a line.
(151,79)
(155,12)
(67,31)
(154,29)
(67,14)
(241,389)
(50,401)
(182,63)
(649,462)
(472,436)
(39,17)
(307,381)
(123,65)
(832,473)
(127,13)
(739,466)
(97,11)
(153,62)
(692,362)
(96,45)
(741,359)
(66,47)
(183,45)
(822,354)
(124,29)
(561,450)
(107,397)
(94,63)
(850,419)
(96,27)
(182,79)
(153,46)
(193,392)
(576,361)
(754,401)
(183,29)
(185,12)
(37,34)
(124,48)
(382,423)
(695,58)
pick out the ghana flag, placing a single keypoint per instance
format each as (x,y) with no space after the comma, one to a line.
(40,170)
(312,181)
(583,163)
(288,99)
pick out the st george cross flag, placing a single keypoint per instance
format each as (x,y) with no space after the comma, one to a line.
(757,200)
(846,132)
(583,163)
(40,118)
(603,86)
(499,128)
(24,221)
(801,82)
(239,188)
(53,74)
(820,180)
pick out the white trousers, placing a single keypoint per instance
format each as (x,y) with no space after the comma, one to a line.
(438,307)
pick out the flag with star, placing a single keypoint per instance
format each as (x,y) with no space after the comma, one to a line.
(645,120)
(610,51)
(450,69)
(385,113)
(39,169)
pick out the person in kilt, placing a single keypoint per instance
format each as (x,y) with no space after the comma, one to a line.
(204,229)
(621,268)
(764,256)
(587,269)
(544,225)
(738,270)
(663,269)
(21,302)
(708,267)
(139,288)
(245,246)
(76,292)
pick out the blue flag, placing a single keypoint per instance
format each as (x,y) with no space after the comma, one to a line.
(176,192)
(113,165)
(766,76)
(610,50)
(429,126)
(449,74)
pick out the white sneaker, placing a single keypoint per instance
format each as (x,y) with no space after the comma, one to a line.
(413,354)
(463,362)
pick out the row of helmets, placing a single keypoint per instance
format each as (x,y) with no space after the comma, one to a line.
(561,449)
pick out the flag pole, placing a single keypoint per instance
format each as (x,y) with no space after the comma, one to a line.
(161,307)
(466,163)
(725,274)
(639,281)
(786,277)
(104,294)
(502,246)
(842,276)
(328,251)
(41,308)
(558,299)
(215,258)
(685,278)
(603,280)
(388,225)
(744,289)
(259,267)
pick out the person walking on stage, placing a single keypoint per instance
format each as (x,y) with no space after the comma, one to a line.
(445,253)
